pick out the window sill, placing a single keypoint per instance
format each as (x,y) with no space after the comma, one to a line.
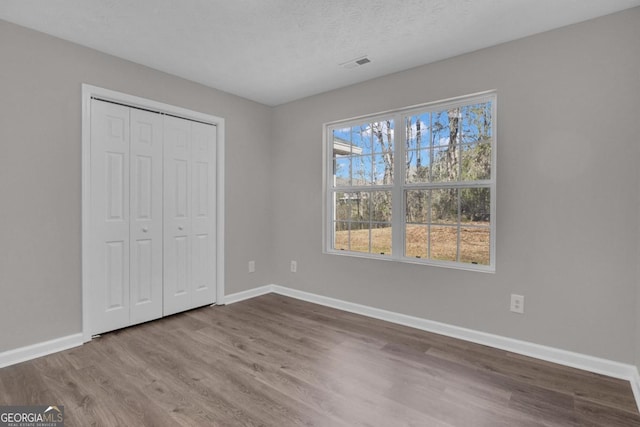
(419,261)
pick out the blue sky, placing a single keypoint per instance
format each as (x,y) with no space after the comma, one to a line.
(367,162)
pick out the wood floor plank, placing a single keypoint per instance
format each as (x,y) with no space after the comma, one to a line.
(591,414)
(21,383)
(221,394)
(545,374)
(277,361)
(336,392)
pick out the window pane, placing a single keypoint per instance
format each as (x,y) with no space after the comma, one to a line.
(383,133)
(453,131)
(475,205)
(445,165)
(366,205)
(416,241)
(476,161)
(361,166)
(444,206)
(381,206)
(418,131)
(476,122)
(343,134)
(444,243)
(439,128)
(342,206)
(474,245)
(359,239)
(417,206)
(445,141)
(342,142)
(381,239)
(341,236)
(361,139)
(383,169)
(360,209)
(342,171)
(418,162)
(351,207)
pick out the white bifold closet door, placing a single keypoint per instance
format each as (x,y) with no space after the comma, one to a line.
(145,228)
(152,246)
(126,216)
(189,213)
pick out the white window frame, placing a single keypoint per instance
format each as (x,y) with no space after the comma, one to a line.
(398,215)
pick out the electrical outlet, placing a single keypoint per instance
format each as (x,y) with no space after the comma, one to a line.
(517,303)
(294,266)
(252,266)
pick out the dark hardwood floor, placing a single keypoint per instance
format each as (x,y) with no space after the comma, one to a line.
(276,361)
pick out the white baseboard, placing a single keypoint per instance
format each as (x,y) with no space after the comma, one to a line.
(635,387)
(563,357)
(248,294)
(33,351)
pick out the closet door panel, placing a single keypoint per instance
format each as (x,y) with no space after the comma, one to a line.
(146,216)
(109,246)
(203,213)
(153,192)
(177,215)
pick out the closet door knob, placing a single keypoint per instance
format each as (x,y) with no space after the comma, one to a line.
(180,227)
(145,229)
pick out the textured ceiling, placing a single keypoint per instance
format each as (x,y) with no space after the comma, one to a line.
(275,51)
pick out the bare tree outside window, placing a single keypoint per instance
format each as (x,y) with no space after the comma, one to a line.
(445,182)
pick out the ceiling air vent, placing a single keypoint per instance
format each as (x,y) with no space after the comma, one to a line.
(353,63)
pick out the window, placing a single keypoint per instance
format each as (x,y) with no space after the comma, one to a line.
(415,185)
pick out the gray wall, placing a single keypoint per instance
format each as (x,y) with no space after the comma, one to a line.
(40,166)
(567,184)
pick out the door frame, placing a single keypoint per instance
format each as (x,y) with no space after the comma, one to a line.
(89,92)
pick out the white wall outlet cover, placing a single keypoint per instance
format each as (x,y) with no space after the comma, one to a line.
(517,303)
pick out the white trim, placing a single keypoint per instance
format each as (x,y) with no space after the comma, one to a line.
(89,91)
(456,101)
(34,351)
(220,206)
(144,103)
(248,294)
(635,386)
(86,205)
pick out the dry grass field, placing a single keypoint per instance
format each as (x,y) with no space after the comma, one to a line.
(474,242)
